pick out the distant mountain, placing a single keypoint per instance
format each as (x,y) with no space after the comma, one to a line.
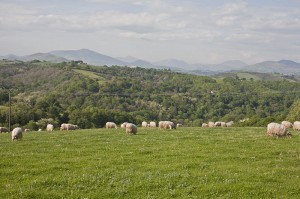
(283,67)
(142,63)
(128,59)
(88,56)
(133,61)
(222,67)
(172,63)
(43,57)
(91,57)
(234,64)
(37,56)
(9,57)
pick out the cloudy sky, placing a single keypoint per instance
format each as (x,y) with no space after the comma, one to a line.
(197,31)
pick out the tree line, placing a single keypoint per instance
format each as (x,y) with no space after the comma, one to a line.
(89,96)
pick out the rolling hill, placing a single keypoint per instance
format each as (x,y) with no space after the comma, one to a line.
(283,67)
(92,95)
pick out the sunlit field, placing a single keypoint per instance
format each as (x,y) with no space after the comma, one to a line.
(181,163)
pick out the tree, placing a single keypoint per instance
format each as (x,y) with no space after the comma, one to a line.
(294,114)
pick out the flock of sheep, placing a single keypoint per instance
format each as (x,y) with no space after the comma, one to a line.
(216,124)
(132,128)
(281,130)
(273,129)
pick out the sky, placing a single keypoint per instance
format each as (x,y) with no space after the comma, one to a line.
(196,31)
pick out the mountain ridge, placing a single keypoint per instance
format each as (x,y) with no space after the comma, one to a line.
(92,57)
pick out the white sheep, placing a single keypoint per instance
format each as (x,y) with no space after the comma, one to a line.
(17,133)
(287,124)
(152,124)
(3,130)
(279,130)
(131,129)
(296,125)
(50,127)
(110,125)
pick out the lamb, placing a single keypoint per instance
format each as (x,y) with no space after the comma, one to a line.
(16,134)
(279,130)
(131,129)
(110,125)
(296,125)
(50,127)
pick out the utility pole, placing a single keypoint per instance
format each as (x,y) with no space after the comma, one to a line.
(9,113)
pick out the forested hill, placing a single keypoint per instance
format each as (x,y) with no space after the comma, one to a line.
(92,95)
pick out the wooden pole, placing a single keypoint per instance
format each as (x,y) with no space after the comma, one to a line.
(9,113)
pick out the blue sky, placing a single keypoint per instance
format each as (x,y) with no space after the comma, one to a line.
(202,31)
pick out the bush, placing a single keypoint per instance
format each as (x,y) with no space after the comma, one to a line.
(42,123)
(32,125)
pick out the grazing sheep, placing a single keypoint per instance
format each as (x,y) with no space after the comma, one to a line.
(152,124)
(144,124)
(211,124)
(40,130)
(68,127)
(287,124)
(217,123)
(166,125)
(16,134)
(131,129)
(50,127)
(170,125)
(160,124)
(3,130)
(279,130)
(72,127)
(223,124)
(229,124)
(124,125)
(27,130)
(204,125)
(63,126)
(110,125)
(296,125)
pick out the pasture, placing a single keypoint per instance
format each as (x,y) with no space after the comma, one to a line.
(181,163)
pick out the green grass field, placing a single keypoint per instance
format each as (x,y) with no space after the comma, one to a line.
(181,163)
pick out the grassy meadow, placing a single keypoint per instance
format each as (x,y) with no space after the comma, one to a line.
(181,163)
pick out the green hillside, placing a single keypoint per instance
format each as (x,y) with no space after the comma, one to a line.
(92,95)
(260,76)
